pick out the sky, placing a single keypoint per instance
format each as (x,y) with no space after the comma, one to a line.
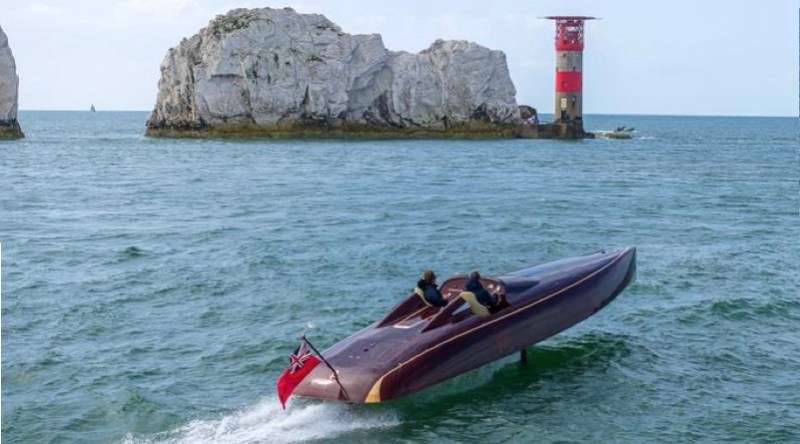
(676,57)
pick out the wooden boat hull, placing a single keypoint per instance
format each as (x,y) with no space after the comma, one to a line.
(415,346)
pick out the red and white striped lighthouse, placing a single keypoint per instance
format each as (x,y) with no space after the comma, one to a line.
(569,69)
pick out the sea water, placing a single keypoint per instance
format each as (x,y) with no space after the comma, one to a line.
(153,288)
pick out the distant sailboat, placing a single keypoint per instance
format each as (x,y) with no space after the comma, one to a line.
(92,108)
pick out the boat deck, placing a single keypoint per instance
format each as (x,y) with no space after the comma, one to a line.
(412,312)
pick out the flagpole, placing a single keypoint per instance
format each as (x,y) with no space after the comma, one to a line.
(335,376)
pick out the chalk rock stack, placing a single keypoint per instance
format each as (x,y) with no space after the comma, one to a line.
(9,87)
(275,72)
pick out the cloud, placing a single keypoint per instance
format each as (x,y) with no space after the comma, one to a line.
(371,22)
(134,12)
(41,9)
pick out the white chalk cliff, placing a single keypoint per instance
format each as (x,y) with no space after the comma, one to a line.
(275,68)
(9,87)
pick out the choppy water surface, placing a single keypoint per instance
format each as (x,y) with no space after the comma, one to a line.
(153,289)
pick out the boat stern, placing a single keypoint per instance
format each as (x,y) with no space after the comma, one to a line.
(349,384)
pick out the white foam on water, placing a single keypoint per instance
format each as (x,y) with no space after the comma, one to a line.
(266,422)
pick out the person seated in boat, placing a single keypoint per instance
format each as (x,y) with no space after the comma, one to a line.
(429,291)
(488,300)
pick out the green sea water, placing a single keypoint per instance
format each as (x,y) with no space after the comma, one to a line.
(152,289)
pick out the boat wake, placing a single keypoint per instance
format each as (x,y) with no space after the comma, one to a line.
(266,422)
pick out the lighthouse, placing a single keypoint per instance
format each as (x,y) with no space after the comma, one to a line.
(569,70)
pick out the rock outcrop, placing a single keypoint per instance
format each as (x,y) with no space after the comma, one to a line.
(274,72)
(9,87)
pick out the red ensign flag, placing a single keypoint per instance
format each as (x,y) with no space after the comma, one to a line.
(301,362)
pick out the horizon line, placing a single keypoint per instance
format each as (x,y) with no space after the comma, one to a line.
(541,113)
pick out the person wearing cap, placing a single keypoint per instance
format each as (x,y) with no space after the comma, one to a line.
(429,291)
(486,299)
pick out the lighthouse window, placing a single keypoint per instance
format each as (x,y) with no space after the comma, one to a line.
(563,83)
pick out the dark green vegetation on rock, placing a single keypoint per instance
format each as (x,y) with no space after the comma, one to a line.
(11,130)
(472,130)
